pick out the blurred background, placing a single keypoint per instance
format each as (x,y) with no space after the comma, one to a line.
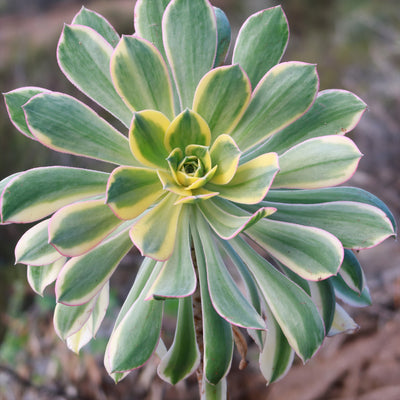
(356,45)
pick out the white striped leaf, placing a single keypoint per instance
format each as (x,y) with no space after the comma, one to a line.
(349,296)
(323,296)
(214,392)
(342,322)
(351,272)
(84,57)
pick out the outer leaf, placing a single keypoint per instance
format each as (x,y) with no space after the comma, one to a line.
(14,102)
(261,42)
(83,277)
(226,298)
(79,339)
(146,138)
(33,247)
(63,123)
(217,333)
(183,356)
(78,228)
(223,35)
(38,192)
(351,272)
(277,356)
(39,277)
(283,95)
(154,234)
(251,181)
(137,333)
(84,57)
(349,296)
(323,296)
(343,193)
(312,253)
(356,225)
(342,322)
(227,219)
(293,309)
(98,23)
(190,47)
(318,162)
(132,190)
(138,62)
(214,392)
(221,98)
(177,277)
(335,112)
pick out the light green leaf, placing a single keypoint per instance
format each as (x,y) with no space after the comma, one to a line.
(310,252)
(356,225)
(283,95)
(79,339)
(277,356)
(261,42)
(323,296)
(38,192)
(132,190)
(349,296)
(223,35)
(292,308)
(334,112)
(84,58)
(136,334)
(342,322)
(177,277)
(217,333)
(138,62)
(154,234)
(14,101)
(98,23)
(318,162)
(251,181)
(343,193)
(221,97)
(227,219)
(39,277)
(351,272)
(63,123)
(214,392)
(190,45)
(79,227)
(225,296)
(83,277)
(183,356)
(33,247)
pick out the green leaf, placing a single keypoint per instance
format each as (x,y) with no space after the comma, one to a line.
(277,356)
(217,333)
(292,308)
(225,296)
(98,23)
(351,272)
(183,356)
(323,296)
(334,112)
(310,252)
(356,225)
(154,234)
(343,193)
(348,295)
(84,58)
(177,277)
(318,162)
(83,277)
(190,45)
(138,62)
(33,247)
(188,128)
(146,138)
(342,322)
(251,181)
(79,227)
(136,333)
(14,101)
(227,219)
(38,192)
(221,97)
(39,277)
(283,95)
(63,123)
(261,42)
(214,392)
(132,190)
(223,35)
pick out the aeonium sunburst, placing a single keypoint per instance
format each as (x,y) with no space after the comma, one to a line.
(215,162)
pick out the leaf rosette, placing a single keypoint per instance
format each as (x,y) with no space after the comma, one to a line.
(216,161)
